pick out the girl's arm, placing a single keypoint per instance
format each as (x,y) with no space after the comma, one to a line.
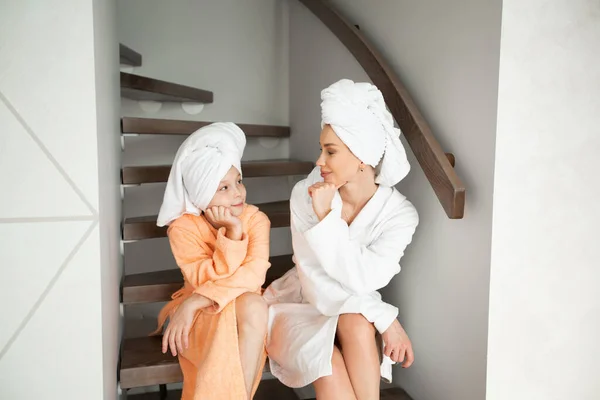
(251,274)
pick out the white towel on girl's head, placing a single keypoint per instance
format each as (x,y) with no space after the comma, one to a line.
(202,161)
(358,116)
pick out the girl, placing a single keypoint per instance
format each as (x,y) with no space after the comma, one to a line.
(350,227)
(217,321)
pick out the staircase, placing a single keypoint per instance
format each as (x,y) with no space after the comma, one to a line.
(142,363)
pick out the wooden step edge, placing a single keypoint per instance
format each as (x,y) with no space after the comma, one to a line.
(136,175)
(151,375)
(174,394)
(395,393)
(144,364)
(140,228)
(128,56)
(139,87)
(154,126)
(152,287)
(270,389)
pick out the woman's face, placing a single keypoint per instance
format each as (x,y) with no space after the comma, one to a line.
(231,193)
(338,164)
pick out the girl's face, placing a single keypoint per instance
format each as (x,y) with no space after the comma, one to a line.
(338,164)
(231,193)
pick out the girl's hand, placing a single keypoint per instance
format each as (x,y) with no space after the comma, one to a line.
(178,331)
(322,194)
(398,345)
(220,216)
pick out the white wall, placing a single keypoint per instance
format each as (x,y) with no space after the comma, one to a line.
(446,53)
(106,53)
(51,341)
(544,303)
(238,50)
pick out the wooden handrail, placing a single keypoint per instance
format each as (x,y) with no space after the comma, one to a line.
(436,165)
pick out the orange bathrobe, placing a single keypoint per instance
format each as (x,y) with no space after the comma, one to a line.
(220,269)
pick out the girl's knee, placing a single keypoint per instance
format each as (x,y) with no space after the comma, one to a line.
(252,311)
(354,326)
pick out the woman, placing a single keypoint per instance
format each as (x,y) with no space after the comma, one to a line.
(350,227)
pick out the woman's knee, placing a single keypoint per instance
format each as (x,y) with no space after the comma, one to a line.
(252,311)
(354,326)
(338,367)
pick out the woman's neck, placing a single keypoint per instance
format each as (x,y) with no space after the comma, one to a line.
(357,194)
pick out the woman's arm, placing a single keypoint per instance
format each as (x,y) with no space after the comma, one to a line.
(362,269)
(326,294)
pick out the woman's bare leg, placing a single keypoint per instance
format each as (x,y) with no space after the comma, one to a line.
(336,386)
(252,315)
(359,349)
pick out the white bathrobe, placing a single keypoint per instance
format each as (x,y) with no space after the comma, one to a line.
(339,269)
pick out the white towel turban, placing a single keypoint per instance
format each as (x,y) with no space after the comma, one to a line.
(199,166)
(357,114)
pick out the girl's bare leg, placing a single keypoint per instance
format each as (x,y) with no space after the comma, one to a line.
(252,314)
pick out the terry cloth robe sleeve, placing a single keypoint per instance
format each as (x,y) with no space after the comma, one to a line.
(324,292)
(362,269)
(251,274)
(319,289)
(235,267)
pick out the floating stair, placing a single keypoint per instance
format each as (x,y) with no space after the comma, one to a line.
(129,56)
(158,286)
(138,87)
(139,228)
(270,389)
(152,126)
(391,394)
(144,364)
(251,169)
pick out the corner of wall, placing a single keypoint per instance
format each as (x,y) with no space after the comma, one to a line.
(107,80)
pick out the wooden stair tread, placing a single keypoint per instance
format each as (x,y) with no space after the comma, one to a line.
(171,395)
(391,394)
(144,364)
(270,389)
(160,285)
(139,228)
(153,126)
(143,88)
(128,56)
(394,394)
(132,175)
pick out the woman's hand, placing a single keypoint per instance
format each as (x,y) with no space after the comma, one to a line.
(177,332)
(220,216)
(322,194)
(398,345)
